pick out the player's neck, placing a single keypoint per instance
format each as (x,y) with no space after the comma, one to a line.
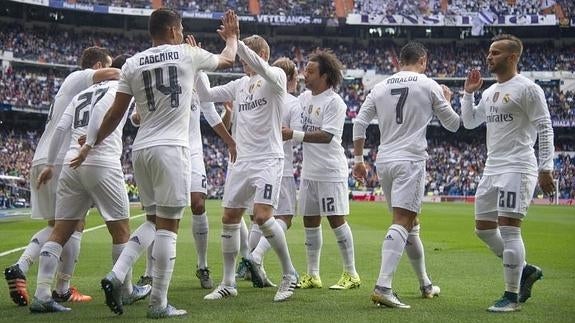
(504,77)
(320,89)
(160,42)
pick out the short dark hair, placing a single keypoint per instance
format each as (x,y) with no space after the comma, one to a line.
(328,64)
(161,19)
(287,65)
(514,44)
(92,55)
(119,60)
(411,53)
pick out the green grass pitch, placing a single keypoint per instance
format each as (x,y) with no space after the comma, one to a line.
(470,277)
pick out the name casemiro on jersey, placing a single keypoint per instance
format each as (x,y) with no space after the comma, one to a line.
(158,58)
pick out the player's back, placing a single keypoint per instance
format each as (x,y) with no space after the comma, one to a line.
(161,79)
(83,108)
(404,106)
(73,84)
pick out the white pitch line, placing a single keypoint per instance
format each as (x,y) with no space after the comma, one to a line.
(5,253)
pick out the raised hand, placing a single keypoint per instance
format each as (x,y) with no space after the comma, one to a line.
(447,93)
(473,81)
(230,26)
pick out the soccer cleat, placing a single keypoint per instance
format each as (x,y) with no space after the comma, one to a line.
(505,304)
(242,270)
(205,280)
(347,281)
(112,289)
(168,311)
(50,306)
(308,281)
(16,285)
(222,292)
(386,297)
(144,280)
(138,293)
(529,276)
(72,295)
(430,291)
(258,274)
(286,288)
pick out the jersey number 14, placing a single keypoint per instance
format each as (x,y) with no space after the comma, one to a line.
(173,89)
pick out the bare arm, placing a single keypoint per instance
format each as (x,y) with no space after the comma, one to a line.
(316,137)
(471,115)
(228,140)
(104,74)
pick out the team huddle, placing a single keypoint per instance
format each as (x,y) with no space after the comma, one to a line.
(77,166)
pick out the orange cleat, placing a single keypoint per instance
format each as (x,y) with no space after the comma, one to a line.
(72,295)
(17,285)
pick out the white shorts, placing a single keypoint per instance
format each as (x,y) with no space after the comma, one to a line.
(509,193)
(198,180)
(79,189)
(43,200)
(403,183)
(250,182)
(287,199)
(323,198)
(162,174)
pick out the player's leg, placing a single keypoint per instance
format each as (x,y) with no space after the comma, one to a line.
(416,255)
(70,253)
(310,210)
(486,227)
(396,177)
(43,201)
(334,201)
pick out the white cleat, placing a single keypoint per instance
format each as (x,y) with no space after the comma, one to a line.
(222,292)
(285,291)
(168,311)
(386,297)
(430,291)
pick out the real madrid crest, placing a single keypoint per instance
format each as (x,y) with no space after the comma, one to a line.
(506,97)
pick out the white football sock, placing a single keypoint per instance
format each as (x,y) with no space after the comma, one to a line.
(140,239)
(164,254)
(391,251)
(344,239)
(255,236)
(33,249)
(263,246)
(230,245)
(416,255)
(150,259)
(200,229)
(513,257)
(47,266)
(127,283)
(244,247)
(313,244)
(277,239)
(492,239)
(69,258)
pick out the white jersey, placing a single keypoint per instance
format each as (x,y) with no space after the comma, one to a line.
(325,111)
(291,119)
(72,85)
(513,111)
(161,79)
(258,103)
(88,108)
(210,113)
(404,104)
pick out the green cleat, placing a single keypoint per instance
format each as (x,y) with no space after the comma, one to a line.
(308,281)
(347,281)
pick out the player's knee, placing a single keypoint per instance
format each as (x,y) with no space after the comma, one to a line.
(198,207)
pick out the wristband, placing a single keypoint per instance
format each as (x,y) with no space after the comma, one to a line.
(358,159)
(298,136)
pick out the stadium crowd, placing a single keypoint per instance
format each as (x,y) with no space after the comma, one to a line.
(453,168)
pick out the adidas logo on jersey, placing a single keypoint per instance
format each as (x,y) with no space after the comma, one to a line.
(135,239)
(389,237)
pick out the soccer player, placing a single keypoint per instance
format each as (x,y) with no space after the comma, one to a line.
(287,202)
(323,187)
(198,181)
(99,181)
(255,177)
(161,80)
(516,114)
(403,104)
(95,62)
